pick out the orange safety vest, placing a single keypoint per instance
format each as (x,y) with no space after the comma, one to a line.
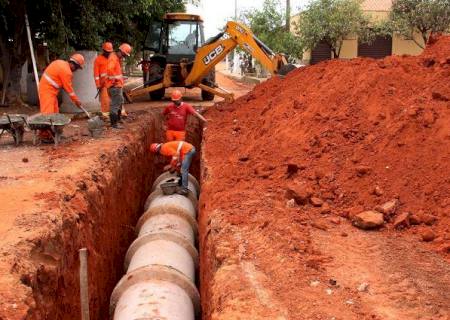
(114,72)
(100,70)
(55,77)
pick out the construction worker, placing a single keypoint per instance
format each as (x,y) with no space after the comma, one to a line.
(176,117)
(100,76)
(115,83)
(181,153)
(58,75)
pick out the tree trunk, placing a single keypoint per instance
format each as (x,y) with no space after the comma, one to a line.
(14,93)
(14,49)
(288,15)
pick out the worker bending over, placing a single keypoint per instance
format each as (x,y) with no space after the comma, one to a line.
(100,76)
(58,75)
(176,117)
(115,83)
(181,153)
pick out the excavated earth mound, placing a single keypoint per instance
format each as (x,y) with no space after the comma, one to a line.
(285,165)
(353,134)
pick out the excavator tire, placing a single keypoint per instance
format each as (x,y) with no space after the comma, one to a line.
(156,71)
(158,94)
(284,70)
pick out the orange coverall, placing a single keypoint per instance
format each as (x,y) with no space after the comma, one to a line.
(169,149)
(100,76)
(114,72)
(56,76)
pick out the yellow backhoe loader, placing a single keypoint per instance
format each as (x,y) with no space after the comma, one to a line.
(181,58)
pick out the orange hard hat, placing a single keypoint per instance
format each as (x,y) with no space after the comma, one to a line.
(78,59)
(176,95)
(126,49)
(107,47)
(155,147)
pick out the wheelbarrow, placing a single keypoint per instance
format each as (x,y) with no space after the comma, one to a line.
(53,123)
(15,125)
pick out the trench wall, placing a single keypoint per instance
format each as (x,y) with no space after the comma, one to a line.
(97,210)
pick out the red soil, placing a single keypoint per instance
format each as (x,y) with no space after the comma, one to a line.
(354,134)
(390,117)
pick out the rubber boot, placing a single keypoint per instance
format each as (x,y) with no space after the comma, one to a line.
(114,121)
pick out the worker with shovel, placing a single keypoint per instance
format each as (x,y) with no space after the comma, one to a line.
(115,82)
(176,117)
(100,76)
(181,154)
(58,75)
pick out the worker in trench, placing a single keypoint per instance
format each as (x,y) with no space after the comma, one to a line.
(100,77)
(181,154)
(176,117)
(58,75)
(115,82)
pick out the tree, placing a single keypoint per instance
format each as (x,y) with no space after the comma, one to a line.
(68,25)
(268,24)
(330,21)
(423,16)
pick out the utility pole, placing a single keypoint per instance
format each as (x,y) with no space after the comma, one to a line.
(235,10)
(288,15)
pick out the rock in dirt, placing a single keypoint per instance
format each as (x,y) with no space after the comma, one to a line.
(319,225)
(388,208)
(363,287)
(378,191)
(326,209)
(362,170)
(290,203)
(402,221)
(425,218)
(299,192)
(368,220)
(316,202)
(428,235)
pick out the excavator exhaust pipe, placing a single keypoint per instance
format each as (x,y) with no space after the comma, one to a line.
(161,263)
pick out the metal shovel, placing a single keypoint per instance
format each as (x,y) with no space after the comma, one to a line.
(95,124)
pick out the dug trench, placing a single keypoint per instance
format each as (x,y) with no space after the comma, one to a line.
(96,207)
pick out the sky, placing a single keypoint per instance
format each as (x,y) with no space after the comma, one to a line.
(216,13)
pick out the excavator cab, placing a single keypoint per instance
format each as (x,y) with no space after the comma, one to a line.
(172,42)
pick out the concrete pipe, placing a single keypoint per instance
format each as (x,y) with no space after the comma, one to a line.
(162,262)
(155,292)
(164,223)
(167,175)
(158,192)
(164,249)
(174,205)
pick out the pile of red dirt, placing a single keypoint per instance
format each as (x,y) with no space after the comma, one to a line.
(341,137)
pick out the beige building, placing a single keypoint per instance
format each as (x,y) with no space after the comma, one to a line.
(377,10)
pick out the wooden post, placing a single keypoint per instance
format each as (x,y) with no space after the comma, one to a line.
(84,284)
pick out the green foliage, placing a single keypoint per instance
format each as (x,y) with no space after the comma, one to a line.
(66,25)
(331,21)
(268,24)
(423,16)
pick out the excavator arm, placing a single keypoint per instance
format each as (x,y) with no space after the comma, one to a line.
(215,50)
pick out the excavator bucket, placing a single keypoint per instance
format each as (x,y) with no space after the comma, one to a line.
(284,70)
